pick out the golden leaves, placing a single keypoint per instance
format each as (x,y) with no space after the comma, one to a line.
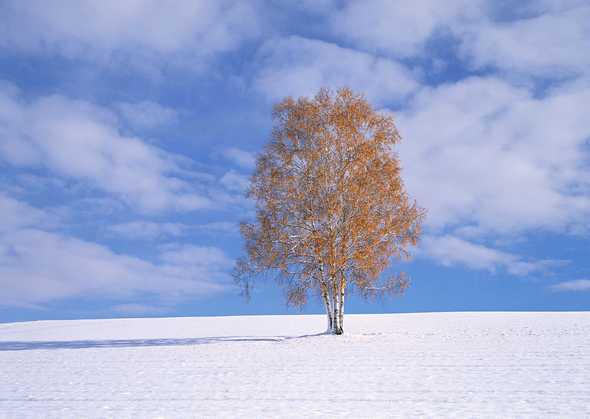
(329,195)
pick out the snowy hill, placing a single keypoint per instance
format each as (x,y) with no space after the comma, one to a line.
(439,364)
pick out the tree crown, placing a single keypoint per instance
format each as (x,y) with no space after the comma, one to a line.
(330,201)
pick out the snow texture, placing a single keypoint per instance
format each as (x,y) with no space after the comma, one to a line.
(402,365)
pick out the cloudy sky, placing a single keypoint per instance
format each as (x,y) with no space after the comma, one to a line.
(128,130)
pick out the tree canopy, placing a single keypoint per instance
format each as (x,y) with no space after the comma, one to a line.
(331,206)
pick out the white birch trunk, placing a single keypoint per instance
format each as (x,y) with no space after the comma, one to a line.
(336,330)
(341,306)
(327,304)
(337,304)
(326,299)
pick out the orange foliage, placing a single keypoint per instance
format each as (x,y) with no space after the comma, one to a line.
(331,205)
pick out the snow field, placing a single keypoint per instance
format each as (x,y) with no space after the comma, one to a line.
(398,365)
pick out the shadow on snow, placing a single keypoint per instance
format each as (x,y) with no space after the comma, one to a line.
(133,343)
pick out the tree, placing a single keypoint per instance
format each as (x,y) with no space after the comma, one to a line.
(331,207)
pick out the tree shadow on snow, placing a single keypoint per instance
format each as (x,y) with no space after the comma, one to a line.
(133,343)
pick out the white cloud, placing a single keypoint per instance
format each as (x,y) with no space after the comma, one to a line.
(537,7)
(453,251)
(141,230)
(235,182)
(399,27)
(315,6)
(484,153)
(37,267)
(296,66)
(146,114)
(575,285)
(549,44)
(82,141)
(219,227)
(15,214)
(242,158)
(141,29)
(200,257)
(148,229)
(534,38)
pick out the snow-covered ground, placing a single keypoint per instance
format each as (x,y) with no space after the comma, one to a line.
(443,365)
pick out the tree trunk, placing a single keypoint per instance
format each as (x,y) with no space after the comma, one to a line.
(337,304)
(341,306)
(327,304)
(328,309)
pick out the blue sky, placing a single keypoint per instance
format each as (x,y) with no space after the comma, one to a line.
(128,130)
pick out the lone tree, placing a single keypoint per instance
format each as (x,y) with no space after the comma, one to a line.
(331,209)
